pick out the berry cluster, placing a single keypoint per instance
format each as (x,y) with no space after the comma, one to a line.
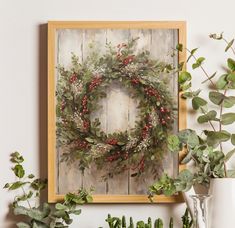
(63,103)
(86,124)
(95,82)
(112,142)
(118,155)
(128,60)
(145,130)
(165,116)
(135,81)
(73,78)
(152,93)
(81,144)
(84,105)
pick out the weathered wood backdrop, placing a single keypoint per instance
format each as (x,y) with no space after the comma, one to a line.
(118,112)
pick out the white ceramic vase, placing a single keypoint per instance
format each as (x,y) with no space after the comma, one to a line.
(222,203)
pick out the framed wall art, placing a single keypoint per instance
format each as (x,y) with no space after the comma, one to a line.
(112,101)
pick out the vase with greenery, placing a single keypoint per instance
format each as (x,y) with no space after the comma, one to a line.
(206,149)
(27,204)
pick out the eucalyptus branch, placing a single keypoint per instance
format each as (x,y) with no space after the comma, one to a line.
(204,71)
(210,122)
(22,188)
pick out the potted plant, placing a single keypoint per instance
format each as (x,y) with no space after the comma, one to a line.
(207,149)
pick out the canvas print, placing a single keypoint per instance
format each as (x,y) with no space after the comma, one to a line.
(115,102)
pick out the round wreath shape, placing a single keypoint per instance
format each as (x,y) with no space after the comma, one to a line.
(79,90)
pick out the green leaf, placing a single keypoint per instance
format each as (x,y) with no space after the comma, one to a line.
(173,143)
(216,97)
(30,176)
(230,44)
(188,137)
(17,185)
(39,184)
(227,118)
(198,62)
(185,86)
(222,82)
(90,140)
(23,225)
(231,64)
(214,138)
(231,80)
(210,116)
(190,94)
(229,101)
(197,102)
(192,52)
(179,47)
(233,139)
(19,171)
(60,206)
(7,185)
(184,77)
(229,155)
(16,157)
(77,212)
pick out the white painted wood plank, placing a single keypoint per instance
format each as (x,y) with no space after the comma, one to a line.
(97,40)
(117,113)
(68,41)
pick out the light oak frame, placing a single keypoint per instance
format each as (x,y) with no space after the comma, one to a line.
(52,27)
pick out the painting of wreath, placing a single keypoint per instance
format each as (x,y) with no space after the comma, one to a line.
(115,107)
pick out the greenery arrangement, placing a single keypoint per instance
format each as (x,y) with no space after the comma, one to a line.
(79,90)
(115,222)
(41,216)
(206,148)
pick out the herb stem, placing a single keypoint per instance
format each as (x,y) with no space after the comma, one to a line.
(27,199)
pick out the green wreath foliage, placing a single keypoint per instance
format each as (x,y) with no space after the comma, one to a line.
(79,90)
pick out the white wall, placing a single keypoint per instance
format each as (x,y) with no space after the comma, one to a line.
(23,74)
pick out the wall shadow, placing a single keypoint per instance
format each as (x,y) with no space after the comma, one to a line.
(42,101)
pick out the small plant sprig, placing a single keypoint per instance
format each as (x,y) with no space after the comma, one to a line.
(41,216)
(204,149)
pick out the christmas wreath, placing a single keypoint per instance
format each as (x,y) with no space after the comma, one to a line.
(79,89)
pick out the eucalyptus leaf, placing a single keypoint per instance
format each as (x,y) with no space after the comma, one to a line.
(229,101)
(210,116)
(184,77)
(198,62)
(216,97)
(229,45)
(60,206)
(197,102)
(214,138)
(229,155)
(227,118)
(231,64)
(19,170)
(222,82)
(233,139)
(17,185)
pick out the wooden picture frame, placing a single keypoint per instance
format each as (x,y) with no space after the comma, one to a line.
(53,26)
